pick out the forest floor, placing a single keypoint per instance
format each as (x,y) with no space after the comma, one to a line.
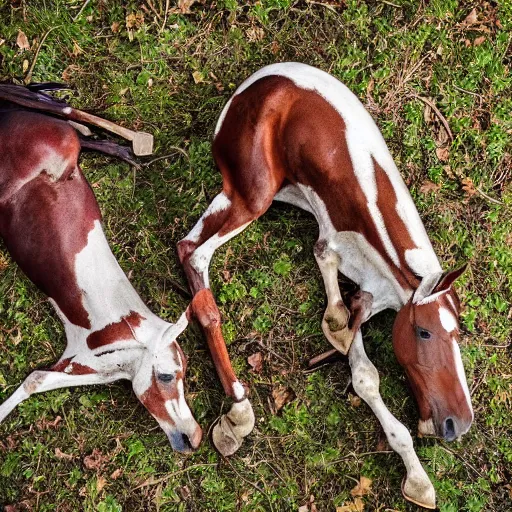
(169,70)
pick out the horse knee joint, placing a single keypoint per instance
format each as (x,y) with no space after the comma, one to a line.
(33,381)
(185,249)
(205,309)
(365,380)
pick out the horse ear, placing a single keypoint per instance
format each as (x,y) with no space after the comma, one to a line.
(426,287)
(174,330)
(448,279)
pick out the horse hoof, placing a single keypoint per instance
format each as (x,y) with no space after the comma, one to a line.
(419,491)
(224,439)
(232,427)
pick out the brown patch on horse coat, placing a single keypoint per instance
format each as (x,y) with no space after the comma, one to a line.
(207,313)
(55,216)
(75,368)
(122,330)
(275,133)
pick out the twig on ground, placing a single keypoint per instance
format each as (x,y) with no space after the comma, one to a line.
(436,111)
(28,76)
(81,10)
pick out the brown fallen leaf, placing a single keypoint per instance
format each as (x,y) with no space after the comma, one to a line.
(355,401)
(282,395)
(115,27)
(116,474)
(256,362)
(22,41)
(355,506)
(96,460)
(45,424)
(469,187)
(255,34)
(63,456)
(478,41)
(185,492)
(471,18)
(363,487)
(429,186)
(443,154)
(100,483)
(185,5)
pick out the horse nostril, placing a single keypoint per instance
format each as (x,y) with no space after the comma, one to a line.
(186,442)
(449,429)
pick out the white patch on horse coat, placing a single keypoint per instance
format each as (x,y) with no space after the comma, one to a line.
(448,320)
(201,257)
(238,390)
(430,298)
(452,303)
(359,260)
(461,375)
(220,202)
(178,409)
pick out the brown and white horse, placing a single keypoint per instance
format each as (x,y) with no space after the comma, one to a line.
(51,224)
(293,133)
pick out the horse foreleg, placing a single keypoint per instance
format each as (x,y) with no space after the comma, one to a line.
(365,379)
(40,381)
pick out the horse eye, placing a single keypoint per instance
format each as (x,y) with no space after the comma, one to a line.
(423,333)
(166,377)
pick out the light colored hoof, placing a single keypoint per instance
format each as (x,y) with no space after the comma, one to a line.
(335,327)
(420,491)
(228,433)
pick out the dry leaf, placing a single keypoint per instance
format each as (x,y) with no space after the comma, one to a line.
(355,401)
(63,456)
(478,41)
(134,20)
(116,474)
(428,186)
(362,488)
(100,483)
(22,41)
(255,34)
(356,506)
(76,49)
(303,508)
(25,66)
(96,460)
(471,18)
(68,72)
(256,362)
(198,77)
(443,154)
(282,395)
(469,187)
(115,27)
(185,5)
(185,492)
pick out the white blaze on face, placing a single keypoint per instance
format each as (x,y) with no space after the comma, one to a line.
(178,409)
(460,373)
(448,320)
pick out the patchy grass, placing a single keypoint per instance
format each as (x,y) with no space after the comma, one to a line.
(170,73)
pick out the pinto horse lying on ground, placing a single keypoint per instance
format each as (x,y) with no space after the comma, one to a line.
(293,133)
(51,224)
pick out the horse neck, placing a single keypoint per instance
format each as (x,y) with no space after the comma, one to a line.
(107,295)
